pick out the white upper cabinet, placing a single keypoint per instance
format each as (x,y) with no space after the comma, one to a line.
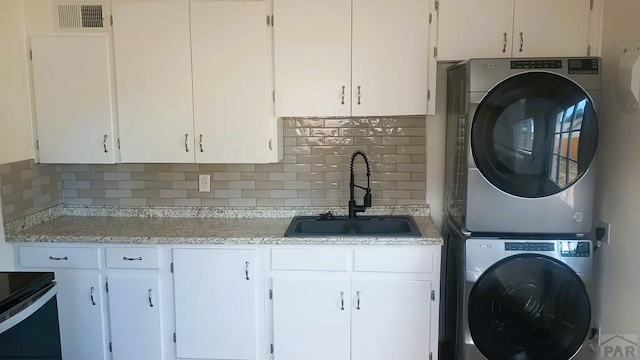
(312,40)
(153,75)
(390,57)
(341,58)
(73,99)
(512,28)
(564,31)
(230,81)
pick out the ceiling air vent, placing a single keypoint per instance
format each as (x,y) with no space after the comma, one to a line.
(79,17)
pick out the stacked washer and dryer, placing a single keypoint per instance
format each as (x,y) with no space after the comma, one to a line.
(520,181)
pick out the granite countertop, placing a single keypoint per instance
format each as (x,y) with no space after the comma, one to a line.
(115,226)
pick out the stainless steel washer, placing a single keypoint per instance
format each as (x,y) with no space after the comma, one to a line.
(521,141)
(525,299)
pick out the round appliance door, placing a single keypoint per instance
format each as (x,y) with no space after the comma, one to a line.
(529,307)
(534,134)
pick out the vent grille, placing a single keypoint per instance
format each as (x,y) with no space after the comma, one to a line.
(80,16)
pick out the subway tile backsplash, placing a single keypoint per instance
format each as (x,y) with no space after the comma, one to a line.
(313,172)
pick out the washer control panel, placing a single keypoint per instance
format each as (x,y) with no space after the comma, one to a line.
(536,64)
(529,246)
(575,248)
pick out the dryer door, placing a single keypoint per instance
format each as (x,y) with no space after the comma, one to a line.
(534,134)
(529,306)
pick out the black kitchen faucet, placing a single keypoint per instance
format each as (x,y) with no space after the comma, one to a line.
(353,208)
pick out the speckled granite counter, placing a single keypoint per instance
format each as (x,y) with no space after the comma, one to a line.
(136,227)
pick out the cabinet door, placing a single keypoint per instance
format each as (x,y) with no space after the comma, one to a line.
(391,319)
(390,57)
(81,316)
(134,311)
(311,319)
(472,28)
(230,85)
(564,31)
(215,303)
(312,41)
(153,78)
(73,102)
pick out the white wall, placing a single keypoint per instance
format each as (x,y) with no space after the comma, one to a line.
(15,111)
(618,193)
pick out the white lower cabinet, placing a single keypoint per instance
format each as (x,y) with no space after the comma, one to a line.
(358,303)
(390,319)
(311,318)
(215,304)
(361,319)
(81,315)
(135,315)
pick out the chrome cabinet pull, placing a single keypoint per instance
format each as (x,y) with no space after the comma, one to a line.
(93,302)
(139,258)
(341,300)
(521,41)
(104,144)
(358,300)
(150,302)
(246,270)
(359,96)
(186,142)
(504,47)
(201,149)
(343,95)
(58,258)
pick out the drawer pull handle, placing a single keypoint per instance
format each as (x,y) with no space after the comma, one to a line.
(201,148)
(359,95)
(358,300)
(343,88)
(341,300)
(93,301)
(150,303)
(104,143)
(58,258)
(139,258)
(186,142)
(246,270)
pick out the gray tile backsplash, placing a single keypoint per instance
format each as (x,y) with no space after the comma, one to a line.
(313,172)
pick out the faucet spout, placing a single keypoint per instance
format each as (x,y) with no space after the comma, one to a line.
(353,207)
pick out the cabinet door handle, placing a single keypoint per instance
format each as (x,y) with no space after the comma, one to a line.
(104,144)
(343,95)
(139,258)
(93,301)
(521,41)
(186,142)
(504,43)
(150,302)
(358,300)
(58,258)
(359,93)
(341,300)
(246,270)
(201,149)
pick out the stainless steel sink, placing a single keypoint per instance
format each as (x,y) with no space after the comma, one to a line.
(386,225)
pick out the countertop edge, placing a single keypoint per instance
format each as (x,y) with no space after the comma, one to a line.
(226,240)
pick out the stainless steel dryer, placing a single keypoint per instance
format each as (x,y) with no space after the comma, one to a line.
(525,299)
(521,141)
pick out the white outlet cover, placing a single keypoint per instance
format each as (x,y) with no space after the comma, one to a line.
(204,183)
(607,228)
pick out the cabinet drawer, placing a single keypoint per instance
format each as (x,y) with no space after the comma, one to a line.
(59,257)
(133,258)
(409,261)
(313,260)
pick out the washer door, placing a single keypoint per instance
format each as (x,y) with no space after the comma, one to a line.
(534,134)
(529,307)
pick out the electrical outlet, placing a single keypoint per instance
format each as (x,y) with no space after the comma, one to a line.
(204,183)
(607,231)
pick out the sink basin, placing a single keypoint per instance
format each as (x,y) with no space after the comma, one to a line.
(386,225)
